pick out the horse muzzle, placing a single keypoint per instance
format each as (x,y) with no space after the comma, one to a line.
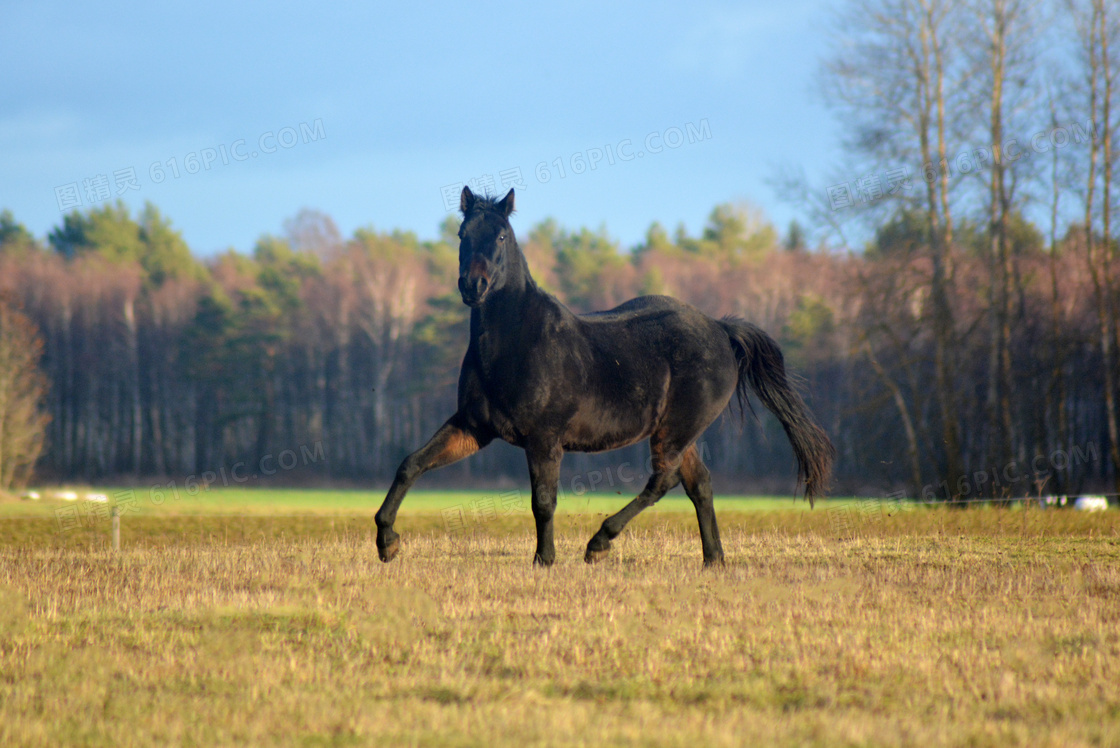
(473,290)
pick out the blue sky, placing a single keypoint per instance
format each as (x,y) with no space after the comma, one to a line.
(371,114)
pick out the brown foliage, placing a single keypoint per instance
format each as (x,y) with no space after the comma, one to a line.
(22,387)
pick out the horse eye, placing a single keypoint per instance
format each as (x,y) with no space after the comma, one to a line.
(501,237)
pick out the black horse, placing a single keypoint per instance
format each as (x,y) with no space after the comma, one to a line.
(546,380)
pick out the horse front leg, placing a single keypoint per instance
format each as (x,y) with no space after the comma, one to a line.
(544,474)
(451,443)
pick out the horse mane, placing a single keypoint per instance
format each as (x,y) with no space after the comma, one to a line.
(489,203)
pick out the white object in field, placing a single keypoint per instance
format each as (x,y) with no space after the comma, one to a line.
(1050,501)
(31,495)
(1091,503)
(66,495)
(98,497)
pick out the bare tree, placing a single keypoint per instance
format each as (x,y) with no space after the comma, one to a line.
(1057,396)
(391,286)
(1004,53)
(894,78)
(315,232)
(1096,24)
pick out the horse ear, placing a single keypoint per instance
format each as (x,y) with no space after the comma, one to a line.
(506,205)
(466,200)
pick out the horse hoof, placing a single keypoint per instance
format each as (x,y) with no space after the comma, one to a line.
(594,557)
(714,563)
(389,552)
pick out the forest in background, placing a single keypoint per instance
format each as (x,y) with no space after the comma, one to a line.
(332,358)
(957,331)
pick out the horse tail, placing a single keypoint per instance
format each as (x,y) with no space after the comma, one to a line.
(762,369)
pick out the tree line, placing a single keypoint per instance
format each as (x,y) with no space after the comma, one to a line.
(347,349)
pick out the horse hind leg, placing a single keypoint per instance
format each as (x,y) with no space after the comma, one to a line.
(666,475)
(660,483)
(698,485)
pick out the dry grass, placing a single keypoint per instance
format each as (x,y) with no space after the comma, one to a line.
(926,628)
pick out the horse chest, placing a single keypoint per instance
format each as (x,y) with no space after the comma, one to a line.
(504,384)
(517,401)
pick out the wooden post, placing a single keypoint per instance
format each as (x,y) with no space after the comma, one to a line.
(116,515)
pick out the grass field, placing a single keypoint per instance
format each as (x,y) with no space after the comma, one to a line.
(180,501)
(265,618)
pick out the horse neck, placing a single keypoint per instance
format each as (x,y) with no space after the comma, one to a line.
(503,316)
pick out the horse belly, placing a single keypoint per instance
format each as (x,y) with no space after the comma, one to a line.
(603,429)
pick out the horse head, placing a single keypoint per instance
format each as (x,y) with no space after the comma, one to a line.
(486,246)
